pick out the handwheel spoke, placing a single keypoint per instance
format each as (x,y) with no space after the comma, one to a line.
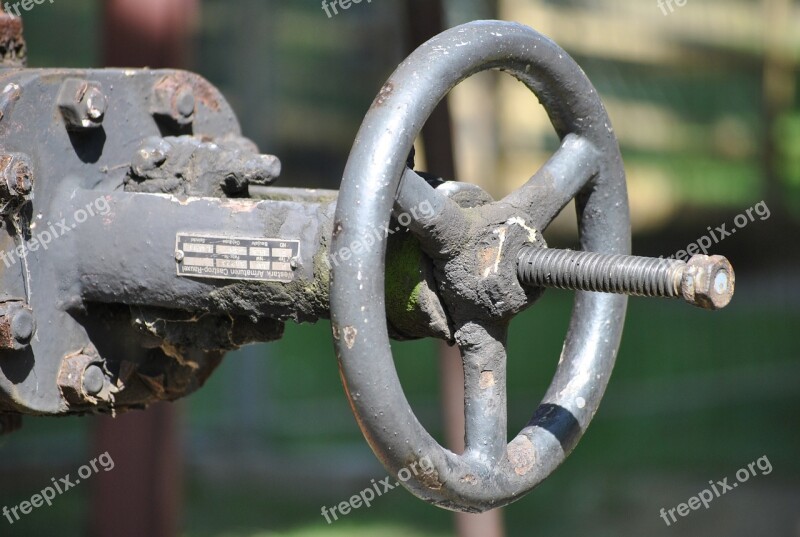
(560,179)
(483,353)
(433,217)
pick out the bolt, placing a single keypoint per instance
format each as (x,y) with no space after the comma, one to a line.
(174,99)
(96,104)
(93,380)
(17,326)
(705,281)
(83,104)
(16,177)
(22,325)
(185,102)
(179,256)
(81,379)
(294,263)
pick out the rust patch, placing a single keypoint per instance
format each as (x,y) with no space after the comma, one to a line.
(6,336)
(13,50)
(487,380)
(155,385)
(239,205)
(521,455)
(350,333)
(431,480)
(486,260)
(337,229)
(203,91)
(469,479)
(384,94)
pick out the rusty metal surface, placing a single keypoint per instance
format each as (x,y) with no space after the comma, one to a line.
(13,49)
(106,286)
(191,166)
(85,161)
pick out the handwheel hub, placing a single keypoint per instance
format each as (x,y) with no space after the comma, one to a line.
(477,281)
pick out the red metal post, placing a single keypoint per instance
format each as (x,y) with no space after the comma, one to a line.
(142,495)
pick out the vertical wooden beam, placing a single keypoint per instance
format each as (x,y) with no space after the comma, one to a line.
(779,81)
(425,20)
(142,495)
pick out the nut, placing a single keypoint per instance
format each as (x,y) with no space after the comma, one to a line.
(83,104)
(174,100)
(81,379)
(708,282)
(16,176)
(17,326)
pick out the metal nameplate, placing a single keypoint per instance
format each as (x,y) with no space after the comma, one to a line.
(234,258)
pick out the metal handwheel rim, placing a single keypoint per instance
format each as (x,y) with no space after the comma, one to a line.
(371,179)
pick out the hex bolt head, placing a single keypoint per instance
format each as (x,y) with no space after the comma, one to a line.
(81,379)
(708,282)
(174,100)
(93,380)
(83,104)
(16,176)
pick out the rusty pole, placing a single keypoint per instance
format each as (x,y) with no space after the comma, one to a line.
(142,495)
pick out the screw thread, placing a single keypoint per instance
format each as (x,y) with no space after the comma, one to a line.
(590,271)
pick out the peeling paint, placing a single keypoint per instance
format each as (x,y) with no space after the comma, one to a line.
(350,333)
(487,380)
(522,455)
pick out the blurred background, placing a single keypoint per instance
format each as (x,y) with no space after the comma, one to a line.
(704,99)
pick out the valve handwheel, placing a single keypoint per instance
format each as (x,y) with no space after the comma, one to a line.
(475,253)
